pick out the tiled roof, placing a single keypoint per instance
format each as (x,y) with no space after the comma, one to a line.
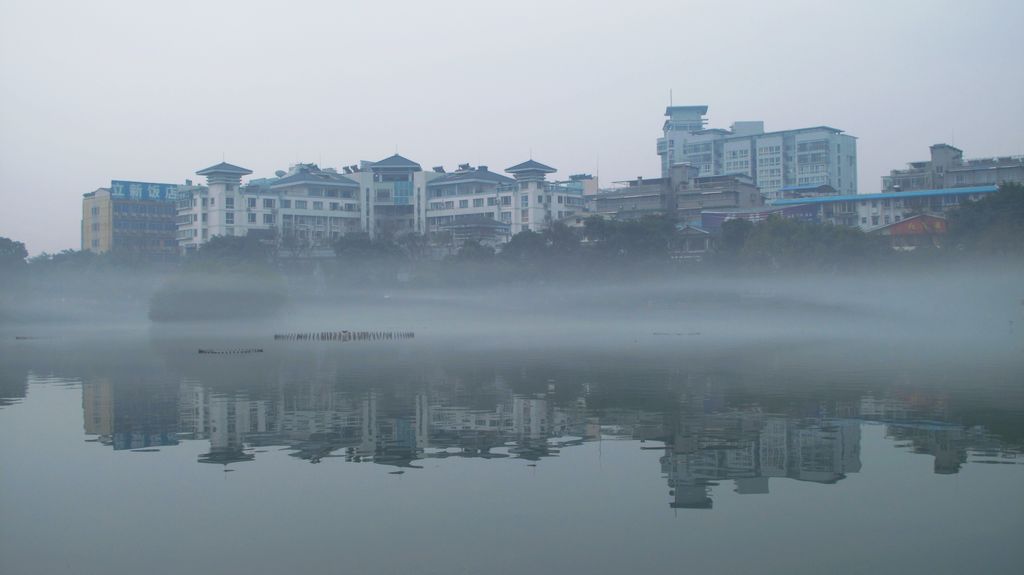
(319,178)
(224,168)
(395,161)
(530,165)
(469,176)
(886,196)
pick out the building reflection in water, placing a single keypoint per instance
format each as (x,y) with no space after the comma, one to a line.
(705,438)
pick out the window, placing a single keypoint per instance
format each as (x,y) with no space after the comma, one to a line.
(864,220)
(95,211)
(335,206)
(252,203)
(252,218)
(204,218)
(229,218)
(478,202)
(318,205)
(525,214)
(506,200)
(268,203)
(874,220)
(95,243)
(229,203)
(301,204)
(95,227)
(463,203)
(491,201)
(286,204)
(268,219)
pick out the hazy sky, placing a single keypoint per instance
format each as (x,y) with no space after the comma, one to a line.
(94,91)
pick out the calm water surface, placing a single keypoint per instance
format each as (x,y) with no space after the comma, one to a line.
(455,454)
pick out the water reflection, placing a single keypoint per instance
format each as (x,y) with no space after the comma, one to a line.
(707,426)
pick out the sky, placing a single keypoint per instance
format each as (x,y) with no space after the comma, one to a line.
(146,91)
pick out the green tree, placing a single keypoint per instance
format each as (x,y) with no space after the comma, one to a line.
(783,244)
(475,252)
(527,245)
(991,225)
(12,254)
(734,236)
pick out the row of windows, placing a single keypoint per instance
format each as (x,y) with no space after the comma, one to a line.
(875,220)
(812,168)
(141,226)
(815,146)
(151,208)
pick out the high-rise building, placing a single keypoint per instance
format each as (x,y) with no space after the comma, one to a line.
(819,155)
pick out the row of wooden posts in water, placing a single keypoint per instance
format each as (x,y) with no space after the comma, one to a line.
(320,336)
(345,336)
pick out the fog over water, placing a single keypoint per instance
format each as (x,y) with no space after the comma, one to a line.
(846,422)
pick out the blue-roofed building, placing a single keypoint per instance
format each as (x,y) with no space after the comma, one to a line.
(872,211)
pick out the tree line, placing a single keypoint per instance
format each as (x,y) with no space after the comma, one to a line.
(993,225)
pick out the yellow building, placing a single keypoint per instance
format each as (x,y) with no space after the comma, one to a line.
(97,221)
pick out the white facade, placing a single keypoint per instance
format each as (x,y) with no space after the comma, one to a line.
(525,202)
(818,155)
(308,208)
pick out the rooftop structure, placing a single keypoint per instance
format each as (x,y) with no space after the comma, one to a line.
(947,168)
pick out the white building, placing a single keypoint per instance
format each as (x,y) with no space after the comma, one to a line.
(391,196)
(807,156)
(308,207)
